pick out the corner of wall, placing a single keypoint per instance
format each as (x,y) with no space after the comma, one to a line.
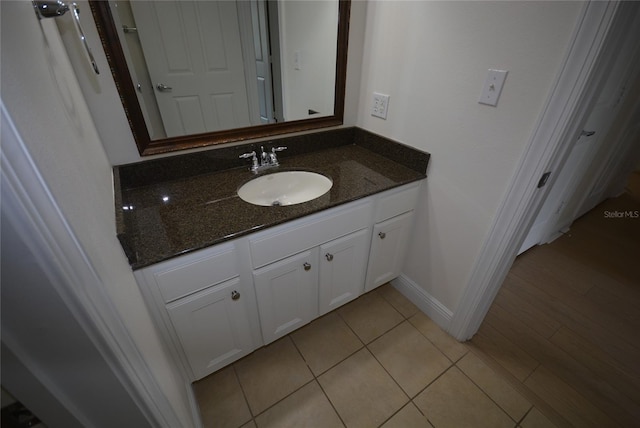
(428,304)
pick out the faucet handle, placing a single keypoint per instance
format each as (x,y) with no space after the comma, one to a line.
(273,159)
(247,155)
(254,160)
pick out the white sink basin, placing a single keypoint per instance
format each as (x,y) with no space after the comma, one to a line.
(285,188)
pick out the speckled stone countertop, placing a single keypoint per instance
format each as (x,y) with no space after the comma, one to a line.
(173,206)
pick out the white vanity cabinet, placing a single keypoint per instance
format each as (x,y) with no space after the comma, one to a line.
(391,232)
(287,293)
(388,250)
(201,302)
(343,263)
(296,290)
(216,305)
(310,266)
(212,326)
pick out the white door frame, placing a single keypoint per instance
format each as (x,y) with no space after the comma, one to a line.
(42,226)
(601,26)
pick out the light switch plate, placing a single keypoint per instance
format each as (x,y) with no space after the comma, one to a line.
(380,105)
(492,87)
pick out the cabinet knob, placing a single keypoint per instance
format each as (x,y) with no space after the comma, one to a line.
(235,295)
(307,266)
(382,235)
(329,256)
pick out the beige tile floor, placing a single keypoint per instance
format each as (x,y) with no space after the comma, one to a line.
(376,362)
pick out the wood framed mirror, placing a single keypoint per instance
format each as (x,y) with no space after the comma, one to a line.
(261,22)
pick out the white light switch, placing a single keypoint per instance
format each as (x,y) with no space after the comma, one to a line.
(380,104)
(493,87)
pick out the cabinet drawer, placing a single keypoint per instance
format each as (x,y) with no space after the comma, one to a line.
(396,202)
(287,241)
(178,279)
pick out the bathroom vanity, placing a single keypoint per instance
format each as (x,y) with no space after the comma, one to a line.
(223,277)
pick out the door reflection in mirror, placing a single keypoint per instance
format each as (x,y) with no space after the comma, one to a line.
(206,66)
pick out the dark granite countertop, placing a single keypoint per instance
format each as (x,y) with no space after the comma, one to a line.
(185,212)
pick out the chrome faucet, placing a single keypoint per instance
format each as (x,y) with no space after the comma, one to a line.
(273,159)
(266,159)
(254,160)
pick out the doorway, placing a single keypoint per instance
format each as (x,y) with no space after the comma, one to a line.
(563,327)
(607,138)
(601,30)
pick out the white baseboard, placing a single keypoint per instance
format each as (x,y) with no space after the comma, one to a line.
(428,304)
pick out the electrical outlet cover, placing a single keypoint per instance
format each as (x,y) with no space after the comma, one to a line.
(380,105)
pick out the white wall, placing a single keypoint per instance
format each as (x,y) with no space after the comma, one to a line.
(42,97)
(432,59)
(306,27)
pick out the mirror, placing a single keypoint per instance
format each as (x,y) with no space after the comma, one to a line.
(197,73)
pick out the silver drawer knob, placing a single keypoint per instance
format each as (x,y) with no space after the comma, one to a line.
(235,295)
(382,235)
(329,257)
(307,266)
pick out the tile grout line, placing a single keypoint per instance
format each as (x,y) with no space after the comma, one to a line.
(453,363)
(244,395)
(315,377)
(485,392)
(363,345)
(521,388)
(331,403)
(254,416)
(385,369)
(366,346)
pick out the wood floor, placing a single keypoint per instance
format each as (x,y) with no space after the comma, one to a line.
(565,326)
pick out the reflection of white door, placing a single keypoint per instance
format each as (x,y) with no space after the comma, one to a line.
(194,49)
(263,60)
(137,68)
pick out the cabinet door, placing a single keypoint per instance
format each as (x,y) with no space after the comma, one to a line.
(343,262)
(388,248)
(213,327)
(287,293)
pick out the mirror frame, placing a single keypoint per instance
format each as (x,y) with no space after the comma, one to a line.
(105,24)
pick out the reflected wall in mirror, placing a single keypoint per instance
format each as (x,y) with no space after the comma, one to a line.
(204,72)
